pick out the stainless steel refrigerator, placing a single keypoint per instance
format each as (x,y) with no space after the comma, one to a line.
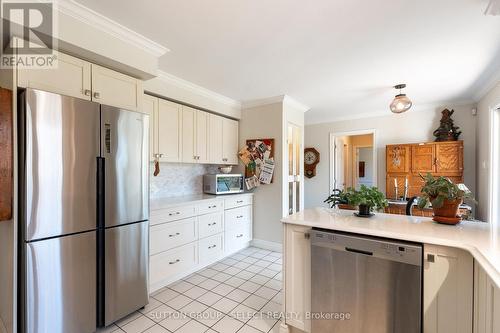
(83,213)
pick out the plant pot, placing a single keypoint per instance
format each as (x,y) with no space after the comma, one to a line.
(346,206)
(449,212)
(364,210)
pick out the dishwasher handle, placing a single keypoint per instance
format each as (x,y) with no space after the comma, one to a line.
(350,249)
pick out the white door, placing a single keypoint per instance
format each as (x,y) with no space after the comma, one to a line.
(169,131)
(150,107)
(70,78)
(188,135)
(116,89)
(295,169)
(202,123)
(215,139)
(229,141)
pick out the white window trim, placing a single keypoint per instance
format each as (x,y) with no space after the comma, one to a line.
(494,174)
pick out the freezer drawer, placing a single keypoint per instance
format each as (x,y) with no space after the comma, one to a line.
(125,149)
(126,270)
(59,144)
(60,285)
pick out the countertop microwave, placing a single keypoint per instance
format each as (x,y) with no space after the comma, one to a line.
(223,183)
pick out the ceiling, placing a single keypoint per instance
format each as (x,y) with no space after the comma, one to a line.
(341,58)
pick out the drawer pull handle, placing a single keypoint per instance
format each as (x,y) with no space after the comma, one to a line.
(211,247)
(239,236)
(239,201)
(211,224)
(214,206)
(174,262)
(172,214)
(239,216)
(176,234)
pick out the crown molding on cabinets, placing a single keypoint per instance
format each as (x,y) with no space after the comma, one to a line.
(111,27)
(198,90)
(285,99)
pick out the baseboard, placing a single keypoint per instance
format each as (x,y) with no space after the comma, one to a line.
(267,245)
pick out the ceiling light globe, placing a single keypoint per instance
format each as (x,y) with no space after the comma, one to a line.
(400,104)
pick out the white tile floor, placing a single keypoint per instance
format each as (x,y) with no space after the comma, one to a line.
(241,293)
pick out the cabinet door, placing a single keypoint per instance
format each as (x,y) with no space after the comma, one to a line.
(215,139)
(423,158)
(70,78)
(391,185)
(448,290)
(229,141)
(150,107)
(202,123)
(486,302)
(449,157)
(188,135)
(169,131)
(398,158)
(297,276)
(116,89)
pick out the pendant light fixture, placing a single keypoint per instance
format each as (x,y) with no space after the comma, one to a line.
(401,102)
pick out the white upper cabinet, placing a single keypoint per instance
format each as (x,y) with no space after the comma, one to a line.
(150,107)
(70,78)
(202,139)
(169,126)
(229,141)
(116,89)
(188,135)
(194,135)
(215,139)
(79,78)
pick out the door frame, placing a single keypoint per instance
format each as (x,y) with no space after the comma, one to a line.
(333,136)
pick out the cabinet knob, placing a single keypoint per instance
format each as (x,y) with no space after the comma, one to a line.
(97,95)
(87,92)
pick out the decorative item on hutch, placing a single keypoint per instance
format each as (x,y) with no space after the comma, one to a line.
(311,160)
(447,131)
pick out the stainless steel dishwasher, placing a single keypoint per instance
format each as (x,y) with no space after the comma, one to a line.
(365,284)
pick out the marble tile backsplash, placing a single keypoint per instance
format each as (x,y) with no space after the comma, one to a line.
(179,179)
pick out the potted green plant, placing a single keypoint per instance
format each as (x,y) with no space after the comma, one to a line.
(339,198)
(445,198)
(367,199)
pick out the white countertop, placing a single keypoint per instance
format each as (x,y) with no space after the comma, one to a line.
(162,203)
(480,239)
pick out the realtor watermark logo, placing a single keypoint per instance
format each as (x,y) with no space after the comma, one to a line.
(28,34)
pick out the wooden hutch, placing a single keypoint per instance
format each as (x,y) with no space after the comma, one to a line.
(407,161)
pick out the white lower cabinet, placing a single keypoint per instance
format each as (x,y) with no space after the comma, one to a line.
(297,279)
(448,290)
(187,237)
(486,302)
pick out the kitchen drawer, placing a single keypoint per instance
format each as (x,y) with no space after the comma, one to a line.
(237,201)
(172,214)
(170,263)
(210,249)
(237,238)
(210,207)
(166,236)
(237,216)
(210,224)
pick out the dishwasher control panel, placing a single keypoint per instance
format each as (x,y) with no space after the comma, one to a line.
(369,246)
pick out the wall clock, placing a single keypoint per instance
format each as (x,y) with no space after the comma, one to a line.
(311,159)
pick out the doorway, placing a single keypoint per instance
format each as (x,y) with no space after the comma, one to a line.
(353,159)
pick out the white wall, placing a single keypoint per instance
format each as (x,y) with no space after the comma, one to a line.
(265,122)
(491,100)
(409,127)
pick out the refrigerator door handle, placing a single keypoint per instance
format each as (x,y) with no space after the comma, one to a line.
(107,138)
